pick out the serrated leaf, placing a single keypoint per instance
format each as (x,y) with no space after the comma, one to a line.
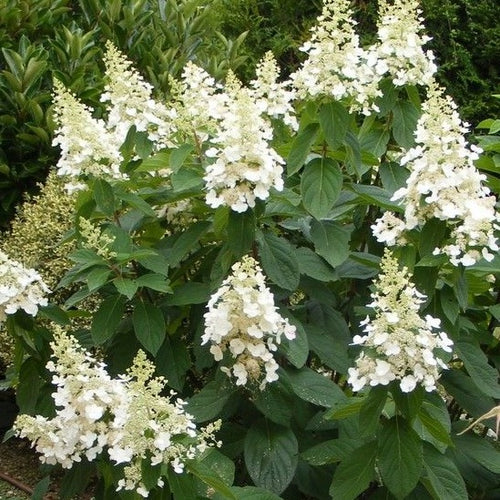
(173,362)
(331,451)
(334,120)
(400,457)
(369,415)
(241,232)
(313,265)
(393,176)
(301,148)
(186,242)
(275,403)
(479,449)
(208,403)
(97,278)
(355,473)
(211,478)
(320,186)
(158,161)
(315,388)
(297,349)
(249,493)
(125,286)
(107,318)
(271,455)
(149,326)
(154,281)
(189,293)
(442,478)
(278,260)
(331,241)
(405,117)
(476,363)
(104,197)
(178,156)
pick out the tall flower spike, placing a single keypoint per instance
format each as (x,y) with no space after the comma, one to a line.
(127,416)
(401,38)
(336,65)
(20,288)
(398,344)
(244,327)
(246,167)
(87,147)
(131,101)
(445,184)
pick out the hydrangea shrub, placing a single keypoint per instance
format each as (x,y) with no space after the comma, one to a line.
(299,273)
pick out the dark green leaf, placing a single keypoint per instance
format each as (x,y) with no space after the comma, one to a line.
(331,241)
(210,477)
(431,236)
(315,388)
(334,120)
(208,403)
(405,117)
(476,363)
(479,449)
(158,161)
(400,457)
(241,232)
(301,147)
(331,451)
(353,154)
(186,179)
(149,326)
(104,197)
(393,176)
(320,186)
(442,478)
(278,260)
(271,455)
(173,362)
(369,415)
(179,155)
(313,265)
(76,479)
(186,242)
(156,282)
(97,278)
(355,473)
(189,293)
(126,286)
(107,318)
(275,403)
(297,349)
(249,493)
(29,386)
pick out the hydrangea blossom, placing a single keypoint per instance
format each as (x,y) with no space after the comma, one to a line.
(87,146)
(126,416)
(130,101)
(246,167)
(20,288)
(445,184)
(244,326)
(398,343)
(399,50)
(336,65)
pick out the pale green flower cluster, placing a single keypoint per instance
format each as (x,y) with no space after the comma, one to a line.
(398,344)
(94,238)
(127,417)
(444,184)
(244,327)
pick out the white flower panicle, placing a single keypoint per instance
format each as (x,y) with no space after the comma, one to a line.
(337,66)
(20,288)
(130,100)
(398,344)
(127,417)
(87,146)
(246,167)
(401,38)
(272,97)
(445,184)
(244,327)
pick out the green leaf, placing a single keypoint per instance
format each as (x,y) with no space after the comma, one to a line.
(405,117)
(374,195)
(186,179)
(355,473)
(297,349)
(449,304)
(310,386)
(104,197)
(278,260)
(393,176)
(476,363)
(353,154)
(334,120)
(369,415)
(107,318)
(211,478)
(241,232)
(186,242)
(182,485)
(434,427)
(271,455)
(314,266)
(29,385)
(301,148)
(331,241)
(249,493)
(154,281)
(149,326)
(125,286)
(173,362)
(275,403)
(431,236)
(209,402)
(137,202)
(400,457)
(178,156)
(331,451)
(158,161)
(76,479)
(433,422)
(320,186)
(189,293)
(97,278)
(442,478)
(480,450)
(408,403)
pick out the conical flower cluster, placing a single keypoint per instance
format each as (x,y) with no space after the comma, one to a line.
(398,344)
(244,327)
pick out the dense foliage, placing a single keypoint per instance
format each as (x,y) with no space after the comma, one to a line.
(285,288)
